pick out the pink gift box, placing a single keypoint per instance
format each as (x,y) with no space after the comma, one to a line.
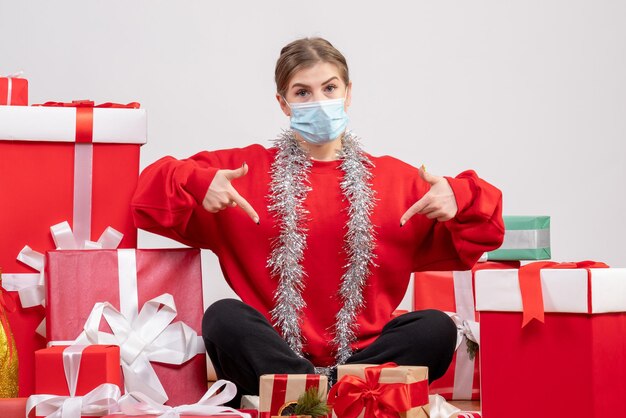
(77,280)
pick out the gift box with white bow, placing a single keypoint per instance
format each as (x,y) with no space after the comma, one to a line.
(453,292)
(553,340)
(75,381)
(149,302)
(74,168)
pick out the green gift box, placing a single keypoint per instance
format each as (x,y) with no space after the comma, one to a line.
(525,238)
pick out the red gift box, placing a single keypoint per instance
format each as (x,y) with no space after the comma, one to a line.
(453,291)
(46,177)
(13,91)
(99,364)
(572,364)
(130,280)
(76,371)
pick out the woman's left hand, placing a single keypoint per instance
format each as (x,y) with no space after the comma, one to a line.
(438,203)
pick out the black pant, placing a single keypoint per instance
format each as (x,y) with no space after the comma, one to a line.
(243,345)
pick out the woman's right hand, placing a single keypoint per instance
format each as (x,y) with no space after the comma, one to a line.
(222,195)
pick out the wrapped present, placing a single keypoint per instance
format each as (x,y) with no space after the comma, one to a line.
(571,351)
(14,408)
(453,292)
(386,390)
(278,391)
(13,90)
(77,164)
(8,352)
(131,298)
(525,238)
(140,405)
(76,380)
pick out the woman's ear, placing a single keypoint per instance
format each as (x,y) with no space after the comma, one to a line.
(348,100)
(283,105)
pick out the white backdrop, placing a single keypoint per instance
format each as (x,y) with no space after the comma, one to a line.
(530,94)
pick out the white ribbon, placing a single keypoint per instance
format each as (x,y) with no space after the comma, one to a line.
(149,337)
(440,408)
(467,329)
(525,239)
(10,78)
(31,286)
(101,400)
(137,403)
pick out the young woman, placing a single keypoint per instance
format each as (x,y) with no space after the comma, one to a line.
(317,237)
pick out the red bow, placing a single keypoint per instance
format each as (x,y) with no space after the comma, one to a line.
(84,115)
(351,395)
(530,285)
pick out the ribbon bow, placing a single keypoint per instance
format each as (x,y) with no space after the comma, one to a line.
(150,336)
(101,400)
(31,286)
(137,403)
(350,395)
(530,285)
(465,329)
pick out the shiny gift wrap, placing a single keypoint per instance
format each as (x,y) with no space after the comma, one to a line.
(76,164)
(8,352)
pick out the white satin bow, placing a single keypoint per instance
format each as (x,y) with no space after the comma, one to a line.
(149,337)
(137,403)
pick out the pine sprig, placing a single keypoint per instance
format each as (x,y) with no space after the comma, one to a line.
(310,403)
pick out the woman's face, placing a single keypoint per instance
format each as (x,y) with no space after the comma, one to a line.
(320,82)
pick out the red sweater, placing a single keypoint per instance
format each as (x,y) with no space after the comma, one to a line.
(168,202)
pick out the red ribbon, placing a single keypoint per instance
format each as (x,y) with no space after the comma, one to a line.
(351,395)
(530,285)
(7,304)
(84,115)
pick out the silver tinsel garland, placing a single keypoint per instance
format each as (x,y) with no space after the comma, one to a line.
(288,189)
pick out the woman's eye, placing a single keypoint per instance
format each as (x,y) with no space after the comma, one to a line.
(301,93)
(330,88)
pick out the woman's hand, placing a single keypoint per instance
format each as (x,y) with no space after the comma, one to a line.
(222,194)
(438,203)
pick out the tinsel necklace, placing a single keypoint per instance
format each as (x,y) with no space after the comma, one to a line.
(288,190)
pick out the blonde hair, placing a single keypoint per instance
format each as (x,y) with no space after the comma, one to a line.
(305,53)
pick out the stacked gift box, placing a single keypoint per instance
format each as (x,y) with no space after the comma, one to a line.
(525,238)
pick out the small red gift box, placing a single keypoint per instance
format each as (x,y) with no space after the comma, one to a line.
(13,91)
(99,364)
(145,291)
(574,363)
(453,291)
(89,374)
(76,164)
(276,391)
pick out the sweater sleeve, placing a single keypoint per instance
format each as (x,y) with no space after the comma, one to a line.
(478,227)
(169,195)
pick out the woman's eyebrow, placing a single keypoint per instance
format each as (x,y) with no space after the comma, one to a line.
(307,86)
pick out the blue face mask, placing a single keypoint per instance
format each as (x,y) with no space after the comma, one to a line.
(319,122)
